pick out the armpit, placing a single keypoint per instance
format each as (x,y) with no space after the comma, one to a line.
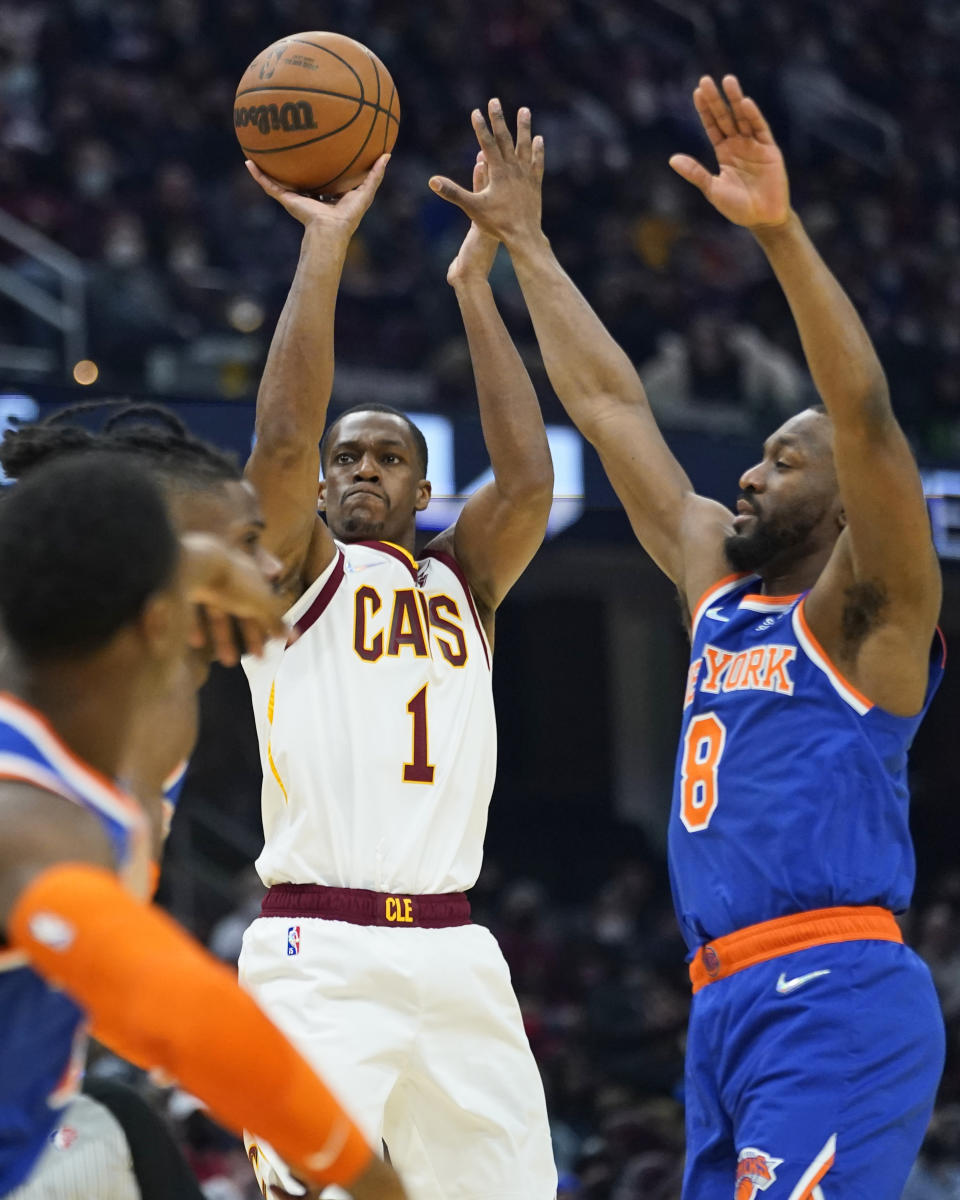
(863,607)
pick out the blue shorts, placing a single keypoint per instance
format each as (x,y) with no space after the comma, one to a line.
(812,1075)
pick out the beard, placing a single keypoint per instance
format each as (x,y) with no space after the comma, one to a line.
(357,528)
(358,520)
(771,539)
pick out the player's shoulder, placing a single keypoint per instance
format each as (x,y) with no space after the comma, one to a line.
(372,553)
(434,565)
(720,597)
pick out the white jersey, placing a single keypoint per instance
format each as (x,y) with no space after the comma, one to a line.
(377,731)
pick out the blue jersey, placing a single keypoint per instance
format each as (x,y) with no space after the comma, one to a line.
(172,787)
(42,1034)
(790,791)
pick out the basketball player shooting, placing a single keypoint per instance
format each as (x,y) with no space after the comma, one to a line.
(378,741)
(816,1041)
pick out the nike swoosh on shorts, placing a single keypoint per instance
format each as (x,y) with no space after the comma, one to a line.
(785,986)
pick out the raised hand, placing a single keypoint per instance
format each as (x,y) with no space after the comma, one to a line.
(475,257)
(342,214)
(751,186)
(232,596)
(508,207)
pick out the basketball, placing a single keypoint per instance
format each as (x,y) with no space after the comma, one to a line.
(316,111)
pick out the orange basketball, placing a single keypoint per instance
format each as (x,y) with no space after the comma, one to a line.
(316,111)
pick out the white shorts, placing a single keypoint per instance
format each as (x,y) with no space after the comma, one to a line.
(419,1033)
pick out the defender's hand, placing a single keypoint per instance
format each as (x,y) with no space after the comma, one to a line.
(341,215)
(751,187)
(378,1182)
(475,257)
(226,584)
(508,207)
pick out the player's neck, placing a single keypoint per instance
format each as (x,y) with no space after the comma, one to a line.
(406,541)
(792,578)
(89,705)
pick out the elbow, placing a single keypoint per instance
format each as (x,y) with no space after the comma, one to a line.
(284,443)
(605,411)
(864,401)
(873,396)
(534,494)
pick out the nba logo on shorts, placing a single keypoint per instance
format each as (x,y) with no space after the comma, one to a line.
(756,1171)
(293,940)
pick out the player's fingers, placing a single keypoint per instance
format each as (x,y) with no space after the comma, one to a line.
(718,106)
(488,143)
(374,177)
(451,191)
(221,635)
(537,156)
(254,636)
(524,137)
(707,119)
(500,130)
(734,94)
(199,635)
(692,171)
(270,186)
(359,199)
(481,176)
(758,123)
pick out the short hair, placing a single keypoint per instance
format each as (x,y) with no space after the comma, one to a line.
(83,544)
(150,433)
(419,441)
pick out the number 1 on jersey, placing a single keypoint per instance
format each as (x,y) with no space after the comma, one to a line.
(419,770)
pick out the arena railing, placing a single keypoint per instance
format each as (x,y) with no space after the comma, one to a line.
(68,314)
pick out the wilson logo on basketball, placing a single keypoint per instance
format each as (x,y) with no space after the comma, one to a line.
(270,118)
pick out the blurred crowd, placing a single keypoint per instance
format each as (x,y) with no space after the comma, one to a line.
(605,997)
(116,140)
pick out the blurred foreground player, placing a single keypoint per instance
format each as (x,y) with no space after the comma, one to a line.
(88,1152)
(816,1042)
(205,492)
(378,743)
(95,601)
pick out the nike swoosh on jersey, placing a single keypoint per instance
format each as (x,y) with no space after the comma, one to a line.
(714,614)
(785,986)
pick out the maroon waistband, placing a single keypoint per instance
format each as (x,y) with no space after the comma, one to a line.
(359,907)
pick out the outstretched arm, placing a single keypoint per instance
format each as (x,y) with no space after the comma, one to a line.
(593,378)
(502,525)
(62,907)
(298,378)
(887,547)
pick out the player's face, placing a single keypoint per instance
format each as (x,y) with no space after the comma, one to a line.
(372,485)
(231,511)
(789,503)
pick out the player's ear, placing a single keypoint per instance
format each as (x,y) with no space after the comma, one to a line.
(424,492)
(842,519)
(164,624)
(322,496)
